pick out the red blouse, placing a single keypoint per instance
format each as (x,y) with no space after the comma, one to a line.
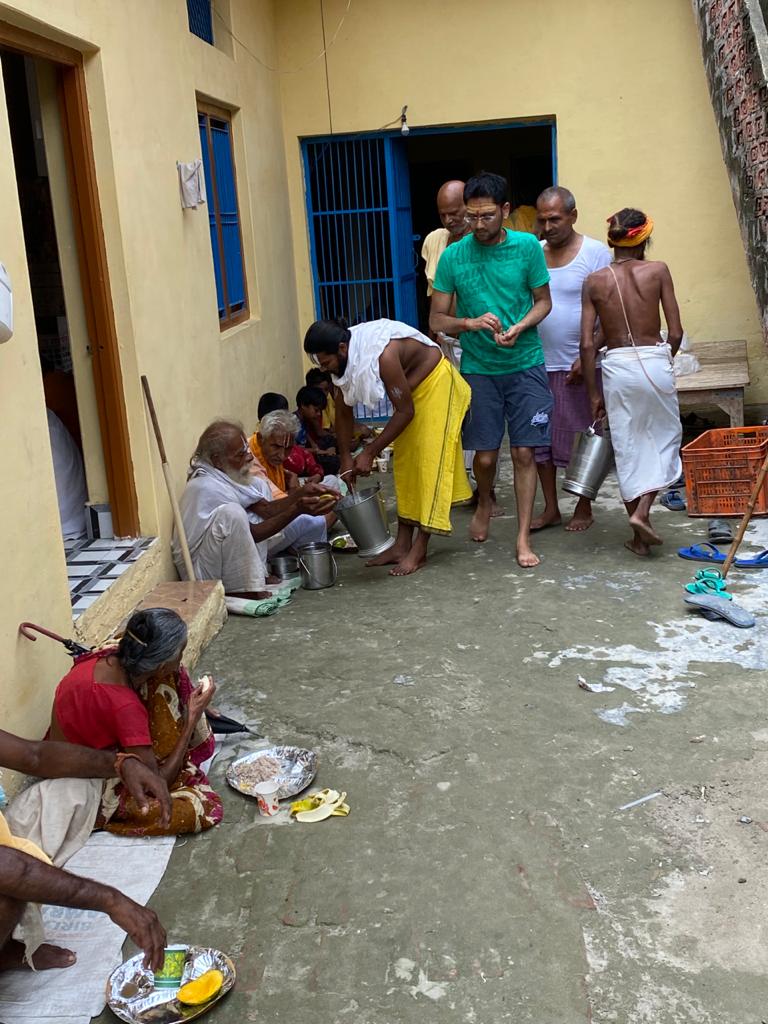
(99,715)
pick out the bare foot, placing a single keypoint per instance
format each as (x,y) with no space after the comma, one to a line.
(45,957)
(272,581)
(644,530)
(526,558)
(578,524)
(478,528)
(496,509)
(637,547)
(391,556)
(410,564)
(546,519)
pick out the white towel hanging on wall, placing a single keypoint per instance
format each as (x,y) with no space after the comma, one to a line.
(191,183)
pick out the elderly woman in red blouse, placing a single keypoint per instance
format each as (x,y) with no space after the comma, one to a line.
(138,698)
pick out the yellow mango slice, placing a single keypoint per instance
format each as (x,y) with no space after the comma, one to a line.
(199,991)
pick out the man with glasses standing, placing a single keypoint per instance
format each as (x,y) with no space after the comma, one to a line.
(500,282)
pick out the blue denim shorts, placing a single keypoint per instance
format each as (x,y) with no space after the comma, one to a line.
(520,401)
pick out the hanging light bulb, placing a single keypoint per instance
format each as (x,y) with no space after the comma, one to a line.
(404,129)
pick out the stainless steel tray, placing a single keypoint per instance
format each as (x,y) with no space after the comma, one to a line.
(132,996)
(298,768)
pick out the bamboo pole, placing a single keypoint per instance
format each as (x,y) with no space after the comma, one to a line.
(746,517)
(169,482)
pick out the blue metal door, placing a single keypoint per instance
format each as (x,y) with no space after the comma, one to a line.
(358,205)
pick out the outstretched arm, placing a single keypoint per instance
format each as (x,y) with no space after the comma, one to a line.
(29,880)
(47,759)
(671,310)
(587,351)
(399,392)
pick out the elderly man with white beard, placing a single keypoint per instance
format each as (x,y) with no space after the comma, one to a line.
(231,520)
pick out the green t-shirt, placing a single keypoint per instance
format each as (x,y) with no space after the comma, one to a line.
(495,279)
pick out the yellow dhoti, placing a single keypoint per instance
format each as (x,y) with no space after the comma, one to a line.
(429,462)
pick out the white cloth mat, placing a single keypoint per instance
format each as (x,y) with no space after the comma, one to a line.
(76,994)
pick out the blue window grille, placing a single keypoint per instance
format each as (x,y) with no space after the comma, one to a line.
(358,204)
(200,15)
(224,217)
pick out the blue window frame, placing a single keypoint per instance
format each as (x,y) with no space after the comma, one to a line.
(200,15)
(224,216)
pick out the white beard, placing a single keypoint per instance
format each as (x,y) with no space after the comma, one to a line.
(240,476)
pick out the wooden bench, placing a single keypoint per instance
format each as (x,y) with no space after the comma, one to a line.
(721,380)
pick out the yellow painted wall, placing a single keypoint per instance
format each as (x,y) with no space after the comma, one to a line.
(144,72)
(625,81)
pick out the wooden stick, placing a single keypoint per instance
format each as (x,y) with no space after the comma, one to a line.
(746,517)
(169,482)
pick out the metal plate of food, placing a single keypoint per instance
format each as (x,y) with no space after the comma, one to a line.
(132,996)
(293,767)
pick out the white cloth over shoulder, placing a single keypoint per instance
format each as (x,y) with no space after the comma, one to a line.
(215,516)
(644,418)
(362,380)
(207,489)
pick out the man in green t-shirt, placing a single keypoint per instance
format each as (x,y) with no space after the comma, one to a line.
(501,284)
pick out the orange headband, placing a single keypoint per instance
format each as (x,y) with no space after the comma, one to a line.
(635,236)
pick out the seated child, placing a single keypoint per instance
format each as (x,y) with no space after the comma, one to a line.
(317,378)
(310,403)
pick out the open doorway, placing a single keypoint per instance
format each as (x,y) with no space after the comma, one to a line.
(48,296)
(523,153)
(371,199)
(49,116)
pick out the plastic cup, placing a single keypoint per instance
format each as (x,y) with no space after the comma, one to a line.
(170,974)
(266,796)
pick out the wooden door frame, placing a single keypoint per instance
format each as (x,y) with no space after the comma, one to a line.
(94,269)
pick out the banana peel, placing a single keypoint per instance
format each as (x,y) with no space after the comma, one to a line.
(328,803)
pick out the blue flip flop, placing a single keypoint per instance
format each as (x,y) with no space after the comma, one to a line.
(711,606)
(702,553)
(671,499)
(758,561)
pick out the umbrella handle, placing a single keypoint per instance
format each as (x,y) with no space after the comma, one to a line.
(26,627)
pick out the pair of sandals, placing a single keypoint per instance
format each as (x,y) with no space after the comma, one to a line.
(707,593)
(709,581)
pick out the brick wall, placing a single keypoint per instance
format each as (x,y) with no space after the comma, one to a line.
(735,52)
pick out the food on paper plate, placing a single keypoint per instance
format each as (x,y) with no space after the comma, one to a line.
(261,770)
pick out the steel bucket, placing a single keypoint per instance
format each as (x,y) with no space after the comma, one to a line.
(317,566)
(285,566)
(365,517)
(591,461)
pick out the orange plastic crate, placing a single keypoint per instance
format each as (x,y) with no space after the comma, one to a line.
(721,467)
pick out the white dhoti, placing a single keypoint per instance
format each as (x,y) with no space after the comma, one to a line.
(644,418)
(227,552)
(216,514)
(303,530)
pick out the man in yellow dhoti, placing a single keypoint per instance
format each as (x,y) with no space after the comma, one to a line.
(430,398)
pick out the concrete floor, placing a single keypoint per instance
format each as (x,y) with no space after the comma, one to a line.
(485,873)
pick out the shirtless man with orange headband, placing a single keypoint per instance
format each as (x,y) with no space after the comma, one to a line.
(638,381)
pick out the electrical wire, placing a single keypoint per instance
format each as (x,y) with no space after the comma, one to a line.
(290,71)
(400,119)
